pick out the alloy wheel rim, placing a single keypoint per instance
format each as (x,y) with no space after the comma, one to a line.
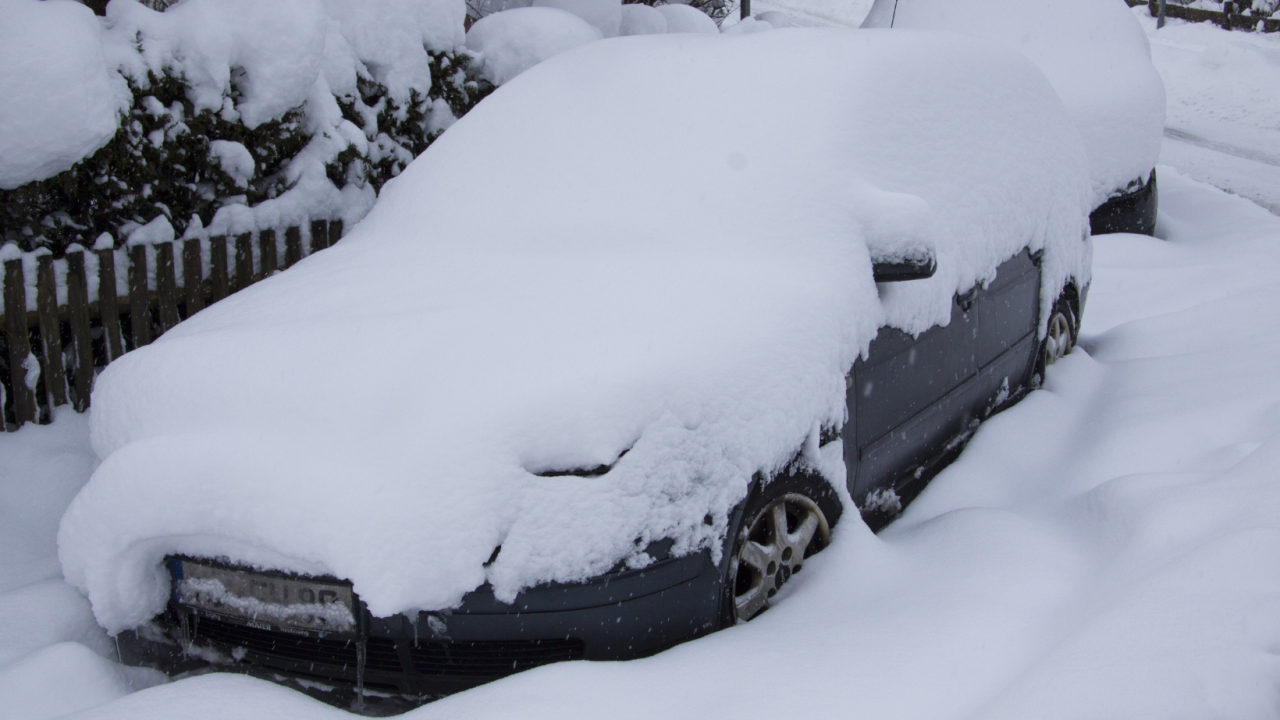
(774,547)
(1058,341)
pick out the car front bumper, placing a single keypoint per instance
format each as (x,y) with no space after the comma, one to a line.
(617,616)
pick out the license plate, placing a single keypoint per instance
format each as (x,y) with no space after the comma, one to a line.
(264,601)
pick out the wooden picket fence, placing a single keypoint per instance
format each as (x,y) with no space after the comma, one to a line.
(55,345)
(1228,18)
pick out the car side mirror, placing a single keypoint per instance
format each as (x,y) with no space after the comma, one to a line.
(919,267)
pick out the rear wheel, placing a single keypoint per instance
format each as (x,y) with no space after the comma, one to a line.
(1060,337)
(785,522)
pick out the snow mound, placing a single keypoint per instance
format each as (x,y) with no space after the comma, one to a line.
(59,101)
(512,41)
(776,18)
(603,15)
(536,294)
(685,19)
(641,20)
(1093,51)
(747,26)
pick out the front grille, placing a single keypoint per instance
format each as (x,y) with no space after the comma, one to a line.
(380,653)
(492,658)
(480,660)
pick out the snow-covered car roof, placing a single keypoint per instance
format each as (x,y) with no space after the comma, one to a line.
(656,246)
(1093,51)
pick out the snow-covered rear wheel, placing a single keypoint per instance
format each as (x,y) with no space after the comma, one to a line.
(1059,339)
(772,546)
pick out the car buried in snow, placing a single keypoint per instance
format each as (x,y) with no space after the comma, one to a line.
(600,370)
(1099,60)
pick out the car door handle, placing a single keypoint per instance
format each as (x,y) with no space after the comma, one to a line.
(965,300)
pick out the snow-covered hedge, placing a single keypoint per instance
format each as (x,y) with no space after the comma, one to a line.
(220,116)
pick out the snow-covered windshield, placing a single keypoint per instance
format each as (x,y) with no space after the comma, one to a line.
(652,243)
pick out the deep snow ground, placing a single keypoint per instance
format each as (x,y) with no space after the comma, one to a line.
(1107,548)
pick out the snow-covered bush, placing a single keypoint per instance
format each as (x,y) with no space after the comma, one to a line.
(233,115)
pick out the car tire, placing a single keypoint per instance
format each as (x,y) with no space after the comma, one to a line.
(759,564)
(1059,339)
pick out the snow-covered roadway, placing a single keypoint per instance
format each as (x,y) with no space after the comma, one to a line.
(1223,124)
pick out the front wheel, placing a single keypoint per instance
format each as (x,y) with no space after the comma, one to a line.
(785,522)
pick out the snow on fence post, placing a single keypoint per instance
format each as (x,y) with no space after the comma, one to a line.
(193,288)
(292,246)
(319,235)
(55,379)
(108,305)
(244,261)
(219,284)
(166,287)
(266,253)
(15,314)
(81,338)
(139,305)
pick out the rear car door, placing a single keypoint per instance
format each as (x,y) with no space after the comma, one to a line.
(1008,311)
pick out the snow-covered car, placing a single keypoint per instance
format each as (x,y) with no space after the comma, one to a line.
(600,370)
(1099,60)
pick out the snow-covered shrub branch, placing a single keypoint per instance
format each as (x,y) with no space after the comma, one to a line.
(398,132)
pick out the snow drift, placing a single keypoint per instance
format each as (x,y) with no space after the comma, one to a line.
(1093,51)
(652,245)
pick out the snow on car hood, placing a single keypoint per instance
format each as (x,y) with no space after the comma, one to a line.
(1093,51)
(654,246)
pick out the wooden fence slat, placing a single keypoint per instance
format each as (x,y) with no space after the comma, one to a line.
(15,313)
(139,306)
(192,277)
(319,235)
(55,379)
(166,287)
(108,308)
(292,246)
(81,340)
(244,261)
(335,232)
(267,253)
(219,283)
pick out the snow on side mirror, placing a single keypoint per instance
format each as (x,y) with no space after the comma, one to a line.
(899,232)
(916,268)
